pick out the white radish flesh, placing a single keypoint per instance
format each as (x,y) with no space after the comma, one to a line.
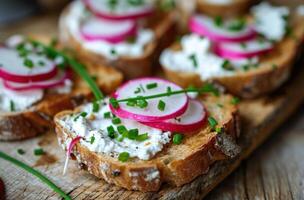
(193,119)
(175,105)
(108,30)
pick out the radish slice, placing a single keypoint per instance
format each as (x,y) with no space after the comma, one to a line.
(69,151)
(192,120)
(12,67)
(175,105)
(58,80)
(247,49)
(108,30)
(123,10)
(205,26)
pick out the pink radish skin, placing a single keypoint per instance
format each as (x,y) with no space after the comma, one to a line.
(95,29)
(69,151)
(59,80)
(235,51)
(196,26)
(192,120)
(14,70)
(111,16)
(176,105)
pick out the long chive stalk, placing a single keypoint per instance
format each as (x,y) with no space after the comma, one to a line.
(76,66)
(35,173)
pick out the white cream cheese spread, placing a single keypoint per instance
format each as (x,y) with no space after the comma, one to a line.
(219,2)
(78,13)
(196,57)
(11,101)
(95,125)
(270,21)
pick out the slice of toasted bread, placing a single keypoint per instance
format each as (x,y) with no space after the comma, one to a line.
(229,8)
(163,26)
(175,164)
(273,71)
(39,118)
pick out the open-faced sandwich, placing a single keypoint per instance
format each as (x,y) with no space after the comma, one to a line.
(250,55)
(37,81)
(151,131)
(125,34)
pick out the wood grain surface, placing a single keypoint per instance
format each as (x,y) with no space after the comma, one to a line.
(274,171)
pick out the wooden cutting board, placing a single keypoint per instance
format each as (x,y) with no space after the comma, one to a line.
(260,117)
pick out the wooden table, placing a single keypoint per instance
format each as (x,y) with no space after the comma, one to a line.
(274,171)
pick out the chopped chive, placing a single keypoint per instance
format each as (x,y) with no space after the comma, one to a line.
(92,140)
(94,77)
(177,138)
(208,87)
(169,90)
(161,105)
(111,132)
(137,90)
(122,129)
(246,67)
(124,156)
(235,101)
(142,137)
(220,105)
(243,45)
(142,103)
(28,63)
(120,139)
(151,86)
(107,115)
(274,67)
(131,39)
(113,52)
(212,122)
(237,25)
(41,63)
(95,106)
(194,60)
(38,152)
(20,151)
(133,134)
(142,88)
(131,103)
(227,65)
(114,102)
(12,106)
(116,120)
(219,130)
(218,21)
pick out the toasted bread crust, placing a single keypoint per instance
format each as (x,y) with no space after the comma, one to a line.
(235,8)
(206,148)
(164,28)
(274,70)
(39,118)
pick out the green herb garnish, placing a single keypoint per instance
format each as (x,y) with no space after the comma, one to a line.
(122,129)
(28,63)
(20,151)
(227,65)
(107,115)
(35,173)
(111,132)
(161,105)
(12,106)
(39,152)
(237,25)
(218,21)
(142,137)
(133,134)
(193,60)
(95,106)
(92,139)
(151,86)
(124,156)
(212,122)
(235,101)
(177,138)
(116,120)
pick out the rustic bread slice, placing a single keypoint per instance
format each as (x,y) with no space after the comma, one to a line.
(230,8)
(274,69)
(175,164)
(163,25)
(39,118)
